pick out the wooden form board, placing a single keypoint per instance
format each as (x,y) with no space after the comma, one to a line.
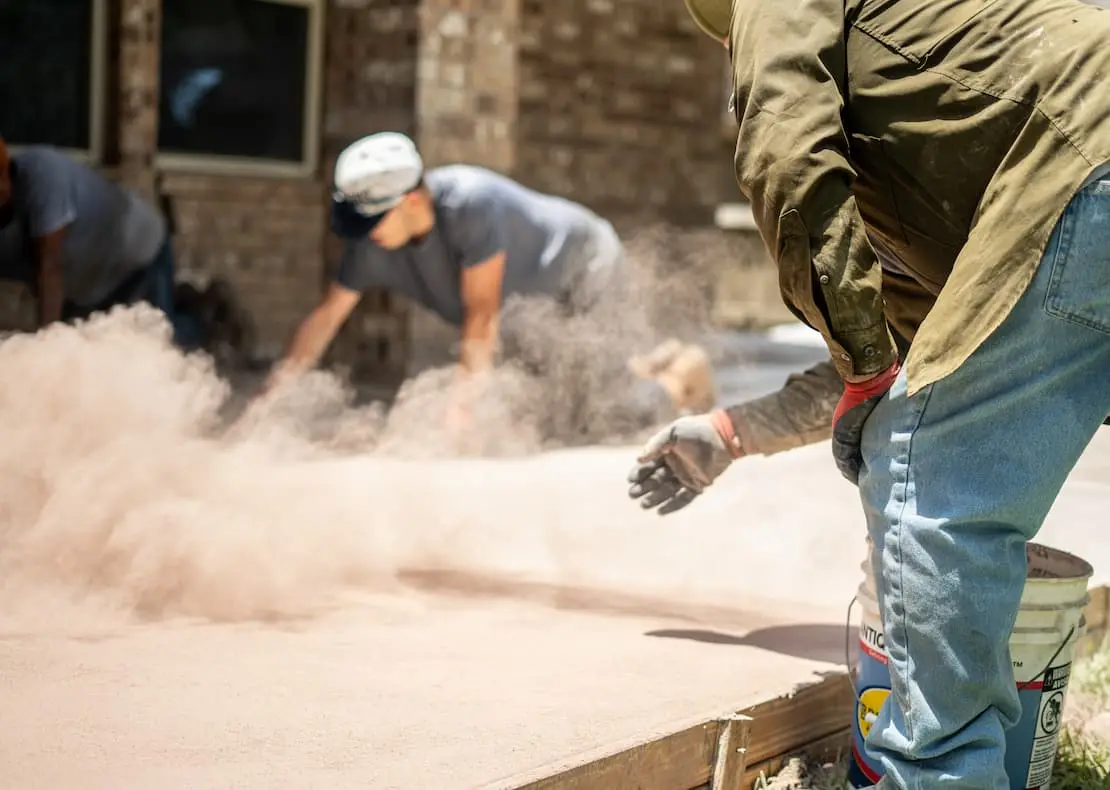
(726,753)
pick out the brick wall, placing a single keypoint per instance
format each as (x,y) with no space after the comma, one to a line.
(262,235)
(619,107)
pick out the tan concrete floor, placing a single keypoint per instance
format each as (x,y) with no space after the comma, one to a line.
(615,625)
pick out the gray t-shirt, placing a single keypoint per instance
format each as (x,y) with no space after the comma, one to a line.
(549,243)
(110,231)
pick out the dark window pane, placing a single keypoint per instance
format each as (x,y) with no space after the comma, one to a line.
(233,78)
(45,57)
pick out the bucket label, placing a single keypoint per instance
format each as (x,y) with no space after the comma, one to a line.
(871,639)
(1047,725)
(1031,745)
(868,706)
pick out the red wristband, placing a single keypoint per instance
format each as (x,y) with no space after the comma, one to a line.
(720,420)
(855,394)
(875,386)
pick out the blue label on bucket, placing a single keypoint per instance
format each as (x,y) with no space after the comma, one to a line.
(1030,745)
(872,690)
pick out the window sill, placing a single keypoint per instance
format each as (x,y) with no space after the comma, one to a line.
(234,166)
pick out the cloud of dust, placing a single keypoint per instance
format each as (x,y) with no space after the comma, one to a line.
(121,488)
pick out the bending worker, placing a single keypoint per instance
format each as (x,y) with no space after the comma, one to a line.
(461,240)
(933,171)
(81,243)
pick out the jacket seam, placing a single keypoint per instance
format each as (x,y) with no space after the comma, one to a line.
(994,94)
(1001,96)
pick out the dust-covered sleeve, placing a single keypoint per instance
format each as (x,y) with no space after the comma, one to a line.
(798,414)
(792,163)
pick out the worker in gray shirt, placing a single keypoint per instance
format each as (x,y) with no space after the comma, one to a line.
(461,241)
(81,243)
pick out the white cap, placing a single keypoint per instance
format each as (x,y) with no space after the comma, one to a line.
(373,174)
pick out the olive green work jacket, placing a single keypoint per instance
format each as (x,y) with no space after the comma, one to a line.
(949,135)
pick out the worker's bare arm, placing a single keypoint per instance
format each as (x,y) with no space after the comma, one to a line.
(315,333)
(798,414)
(48,259)
(480,287)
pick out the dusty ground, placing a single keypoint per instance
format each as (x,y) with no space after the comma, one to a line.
(181,609)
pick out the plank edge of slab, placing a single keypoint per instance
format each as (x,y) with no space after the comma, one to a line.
(731,760)
(696,768)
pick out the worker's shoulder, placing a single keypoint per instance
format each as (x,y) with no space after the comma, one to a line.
(464,186)
(34,159)
(46,167)
(48,155)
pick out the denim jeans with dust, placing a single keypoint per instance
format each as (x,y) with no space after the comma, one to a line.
(957,479)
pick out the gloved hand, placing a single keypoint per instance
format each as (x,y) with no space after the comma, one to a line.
(680,461)
(852,411)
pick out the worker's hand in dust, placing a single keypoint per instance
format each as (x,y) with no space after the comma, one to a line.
(680,461)
(853,409)
(459,418)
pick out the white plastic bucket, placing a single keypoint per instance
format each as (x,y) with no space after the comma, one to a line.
(1049,625)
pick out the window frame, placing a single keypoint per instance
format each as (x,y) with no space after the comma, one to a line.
(311,121)
(93,154)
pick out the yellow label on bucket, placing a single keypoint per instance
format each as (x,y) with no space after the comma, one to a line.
(867,710)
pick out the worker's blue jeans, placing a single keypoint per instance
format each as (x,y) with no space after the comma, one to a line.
(154,284)
(957,479)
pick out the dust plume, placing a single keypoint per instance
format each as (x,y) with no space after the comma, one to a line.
(122,491)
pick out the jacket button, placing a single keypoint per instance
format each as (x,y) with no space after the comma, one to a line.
(824,279)
(869,351)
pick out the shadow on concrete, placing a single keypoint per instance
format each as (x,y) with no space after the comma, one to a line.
(457,584)
(812,641)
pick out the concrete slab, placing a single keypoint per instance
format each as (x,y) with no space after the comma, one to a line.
(493,619)
(448,679)
(399,693)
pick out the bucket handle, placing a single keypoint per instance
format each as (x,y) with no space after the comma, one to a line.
(1059,650)
(853,671)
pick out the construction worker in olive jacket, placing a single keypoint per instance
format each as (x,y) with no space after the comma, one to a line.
(930,177)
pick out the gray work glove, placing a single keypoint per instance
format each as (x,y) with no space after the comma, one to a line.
(680,461)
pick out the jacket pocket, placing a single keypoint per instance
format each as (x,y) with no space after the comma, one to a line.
(1079,288)
(915,30)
